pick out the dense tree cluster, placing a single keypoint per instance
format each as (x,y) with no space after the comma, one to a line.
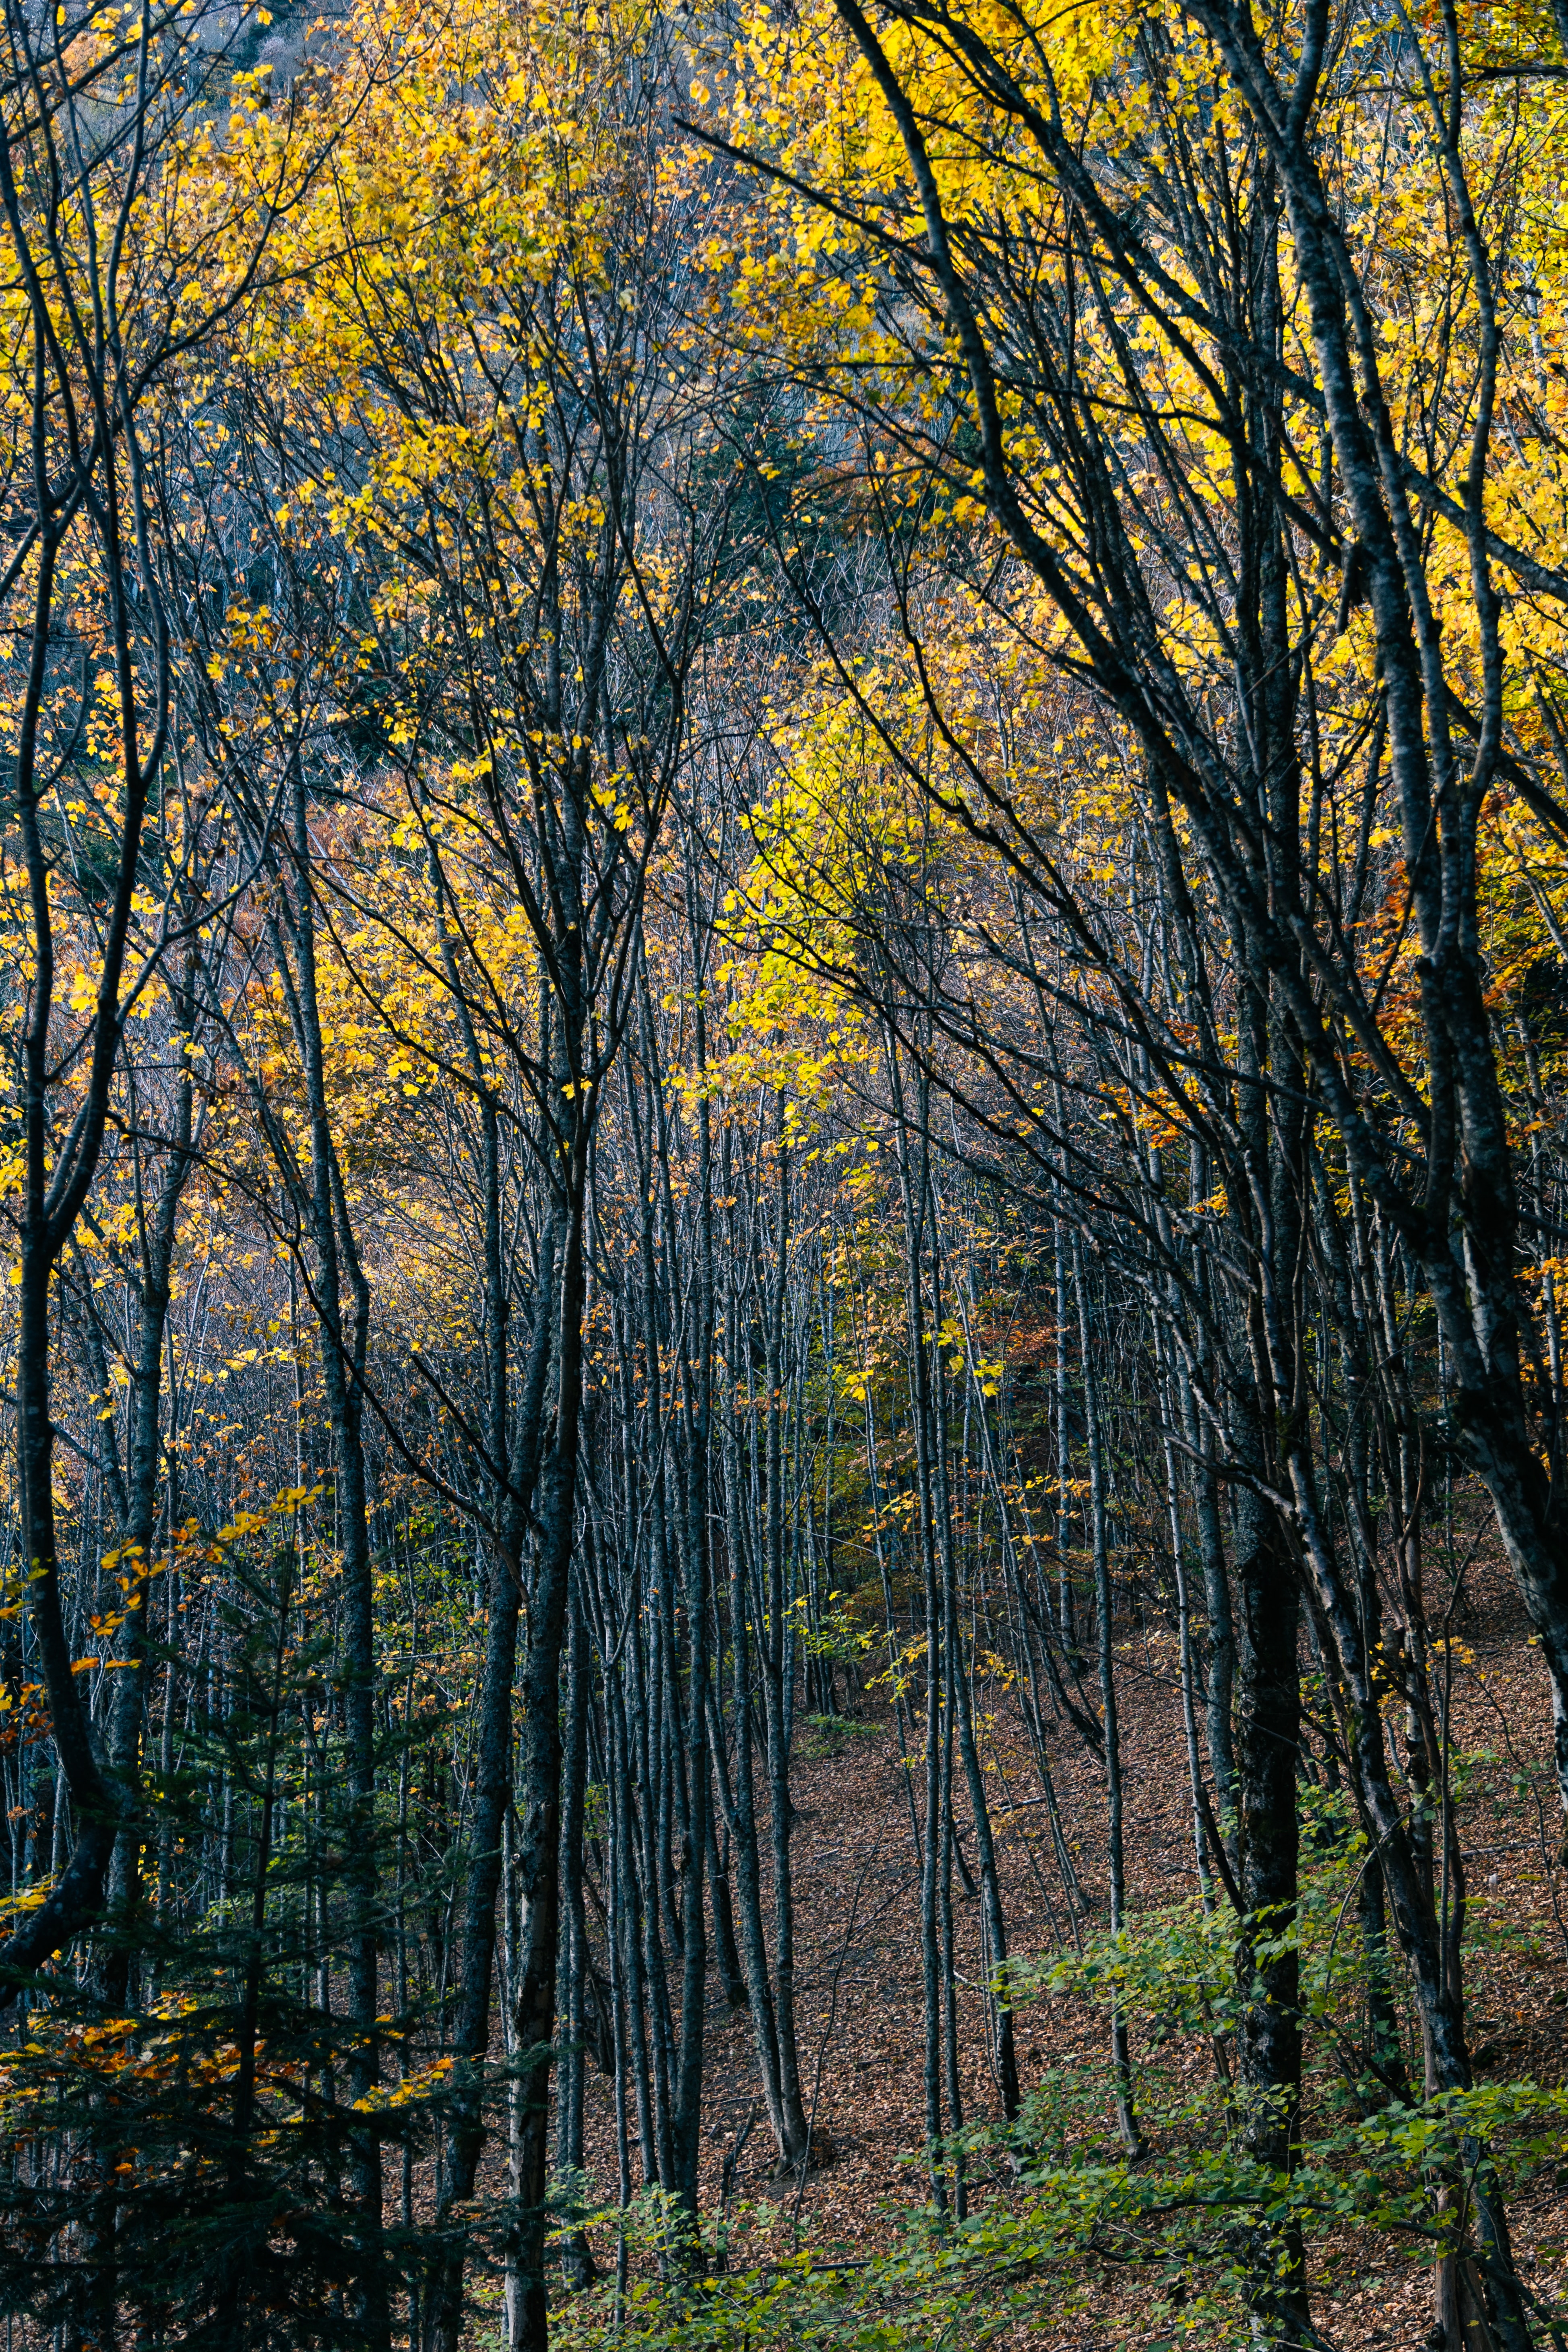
(782,935)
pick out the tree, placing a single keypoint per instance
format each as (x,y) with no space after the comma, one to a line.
(118,290)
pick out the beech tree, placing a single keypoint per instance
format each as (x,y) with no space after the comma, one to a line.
(782,938)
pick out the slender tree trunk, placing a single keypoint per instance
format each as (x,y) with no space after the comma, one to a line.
(1120,2059)
(533,2002)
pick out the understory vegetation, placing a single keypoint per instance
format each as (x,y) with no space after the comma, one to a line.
(783,1011)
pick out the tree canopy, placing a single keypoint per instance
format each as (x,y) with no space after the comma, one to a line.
(784,915)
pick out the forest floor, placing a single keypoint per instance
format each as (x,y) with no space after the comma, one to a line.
(858,1986)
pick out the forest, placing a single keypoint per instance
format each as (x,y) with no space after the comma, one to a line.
(783,1140)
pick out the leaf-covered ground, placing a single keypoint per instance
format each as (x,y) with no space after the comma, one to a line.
(859,1991)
